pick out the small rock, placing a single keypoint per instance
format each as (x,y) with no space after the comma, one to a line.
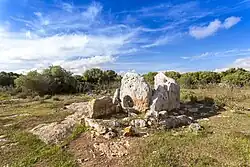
(152,114)
(80,161)
(131,114)
(163,113)
(175,121)
(3,140)
(95,125)
(195,127)
(203,114)
(2,136)
(151,121)
(201,106)
(182,112)
(126,119)
(110,135)
(129,131)
(193,110)
(211,111)
(175,113)
(204,119)
(8,125)
(138,123)
(114,124)
(223,116)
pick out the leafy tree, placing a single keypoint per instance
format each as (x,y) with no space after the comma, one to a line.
(149,77)
(7,79)
(93,75)
(173,74)
(60,80)
(109,75)
(33,81)
(238,77)
(207,77)
(186,81)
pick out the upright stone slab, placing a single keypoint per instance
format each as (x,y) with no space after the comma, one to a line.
(166,95)
(102,107)
(116,97)
(135,92)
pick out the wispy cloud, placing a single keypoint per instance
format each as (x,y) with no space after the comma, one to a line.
(67,7)
(200,32)
(238,63)
(244,1)
(231,21)
(161,41)
(227,53)
(242,63)
(50,40)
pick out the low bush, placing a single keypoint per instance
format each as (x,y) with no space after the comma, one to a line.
(188,96)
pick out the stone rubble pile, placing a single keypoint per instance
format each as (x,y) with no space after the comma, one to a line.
(143,108)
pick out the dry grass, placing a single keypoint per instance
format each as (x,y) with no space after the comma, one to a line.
(225,141)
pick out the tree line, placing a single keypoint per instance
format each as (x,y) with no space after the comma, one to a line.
(231,77)
(56,80)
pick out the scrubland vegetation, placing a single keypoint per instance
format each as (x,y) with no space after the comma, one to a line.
(56,80)
(35,98)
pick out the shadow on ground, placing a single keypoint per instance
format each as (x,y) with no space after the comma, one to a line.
(201,109)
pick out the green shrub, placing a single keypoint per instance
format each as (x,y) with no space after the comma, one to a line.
(4,96)
(188,96)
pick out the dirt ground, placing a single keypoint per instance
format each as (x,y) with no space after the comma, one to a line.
(97,151)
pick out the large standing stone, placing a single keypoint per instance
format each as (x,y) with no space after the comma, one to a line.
(102,107)
(116,97)
(135,92)
(166,95)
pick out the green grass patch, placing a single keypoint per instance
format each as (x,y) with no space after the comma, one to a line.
(36,152)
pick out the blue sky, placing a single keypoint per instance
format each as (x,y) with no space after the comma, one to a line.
(140,35)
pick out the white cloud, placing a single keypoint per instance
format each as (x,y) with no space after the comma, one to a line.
(205,31)
(238,63)
(76,52)
(92,11)
(54,39)
(242,63)
(38,14)
(161,41)
(220,69)
(200,32)
(80,65)
(231,21)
